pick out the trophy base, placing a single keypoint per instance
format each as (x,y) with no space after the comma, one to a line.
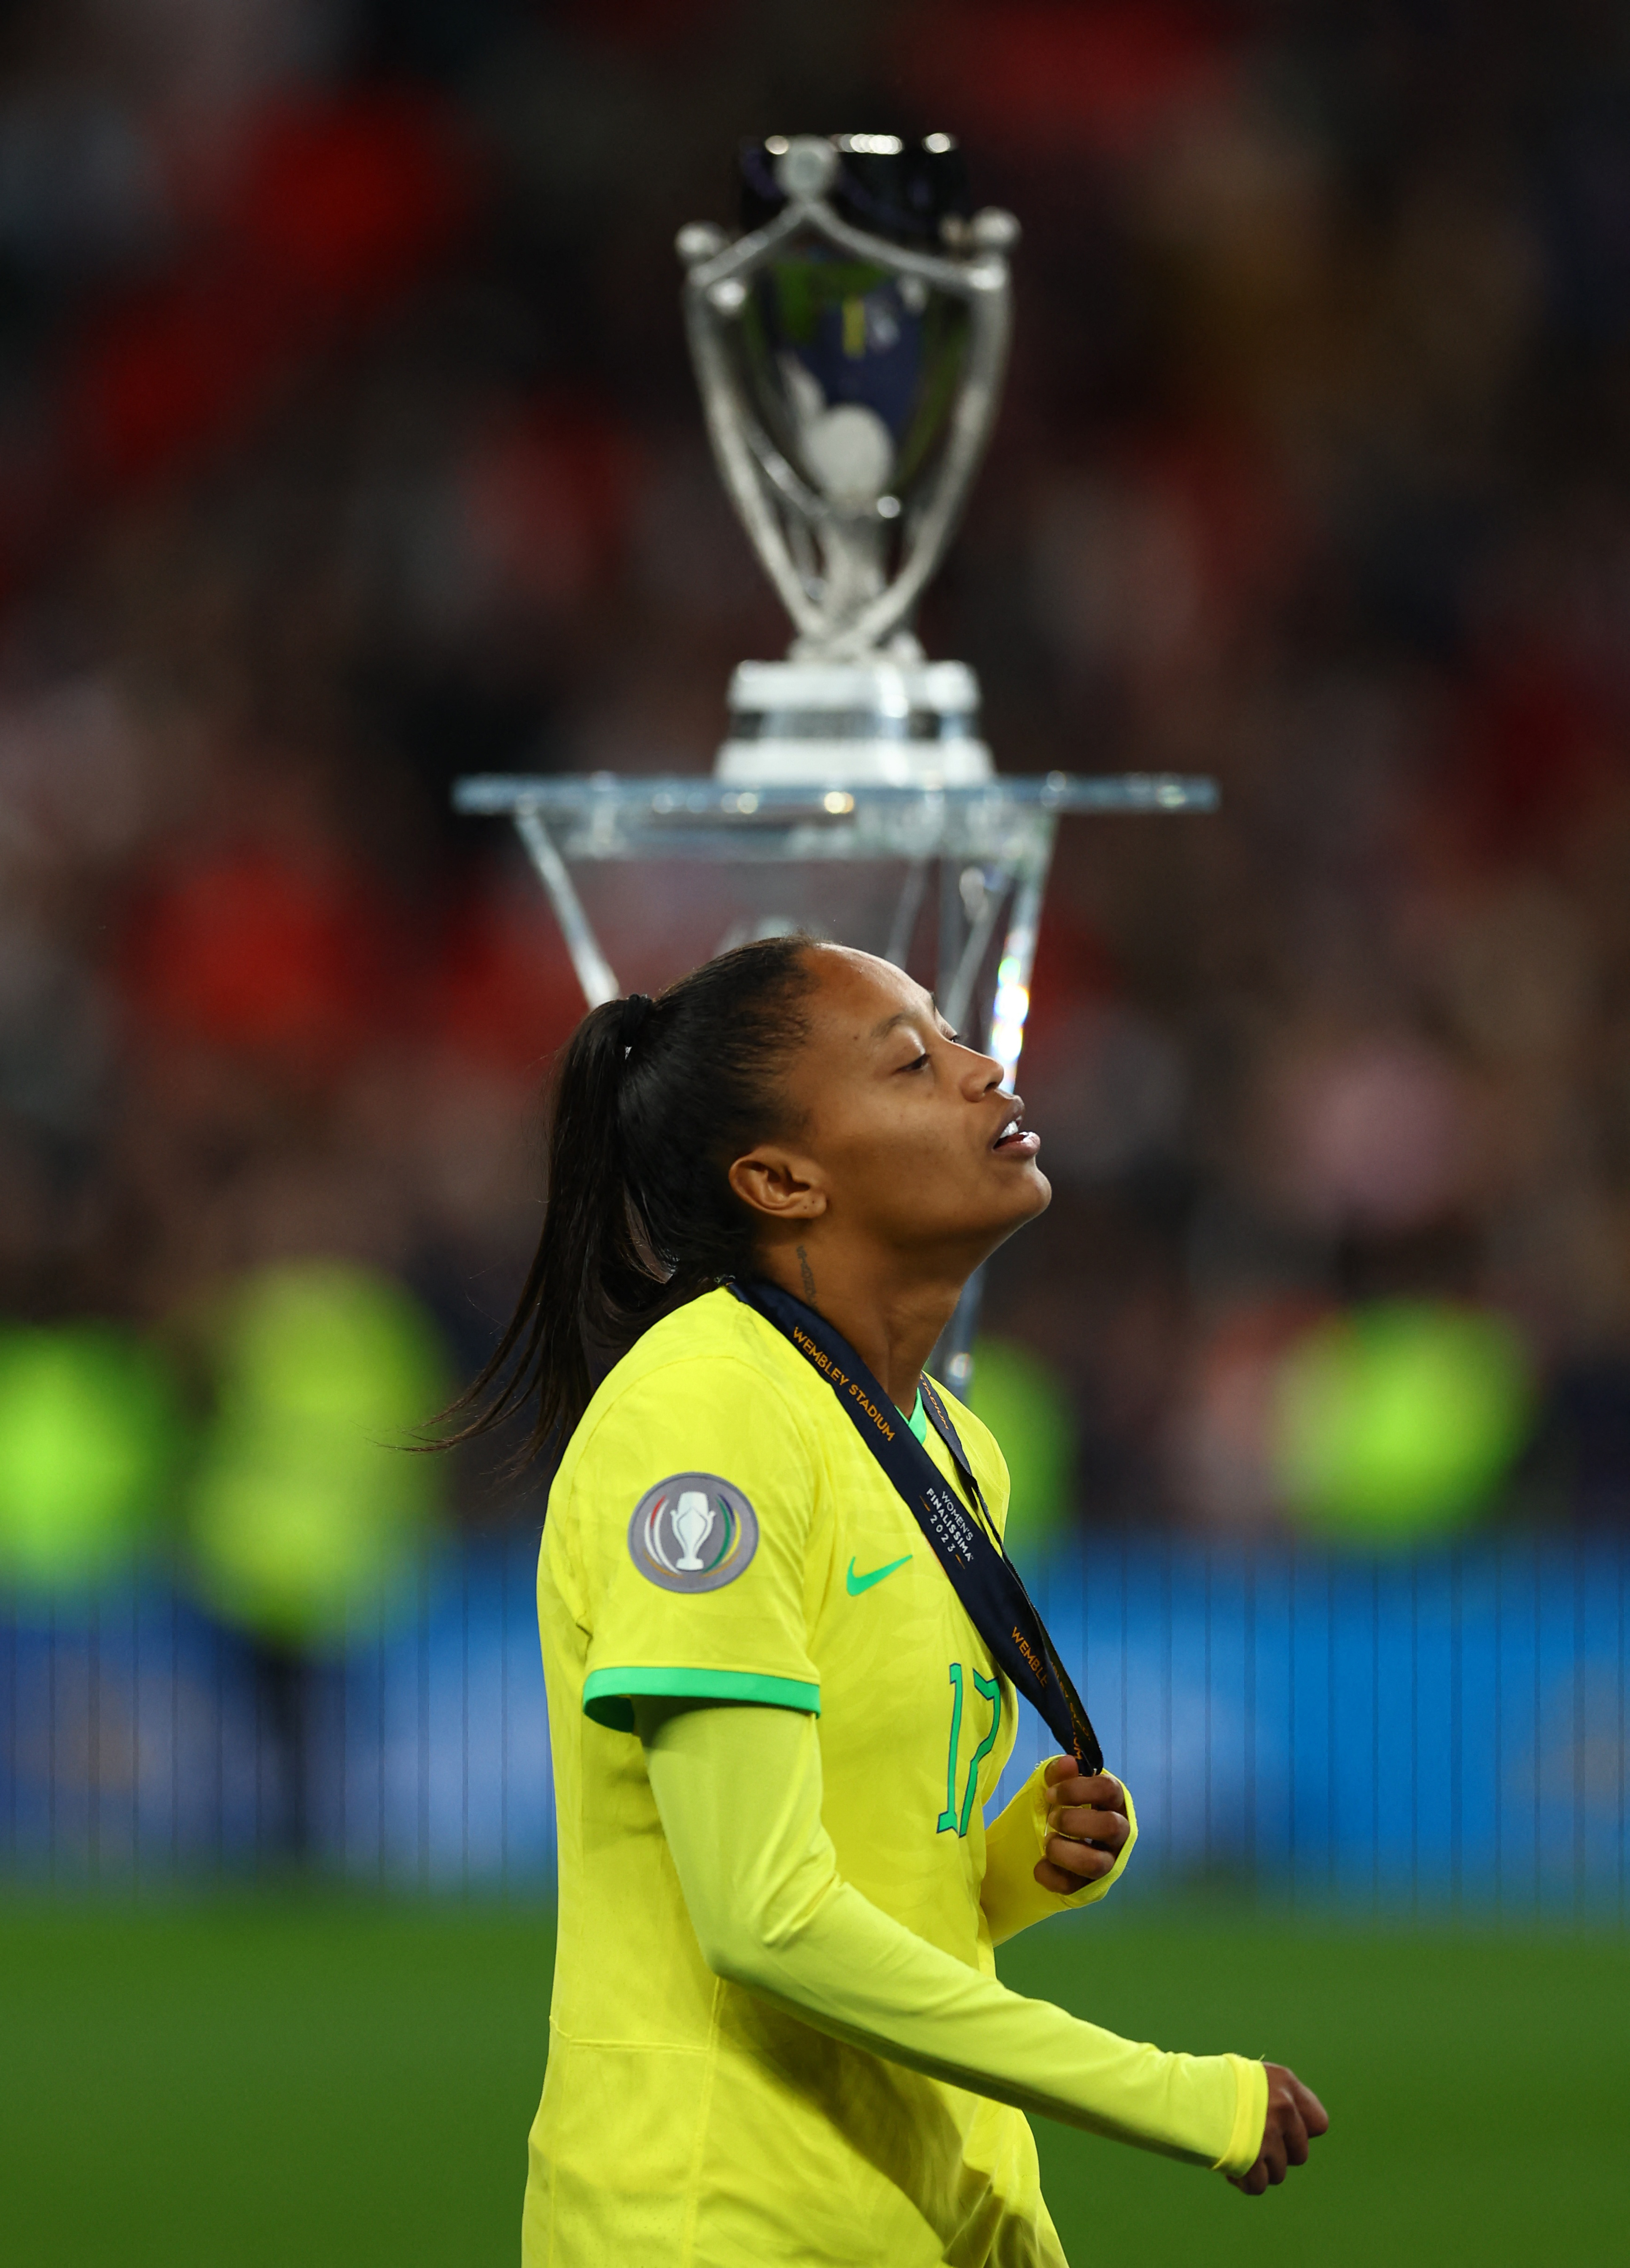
(873,724)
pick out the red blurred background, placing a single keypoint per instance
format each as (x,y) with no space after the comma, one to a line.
(347,443)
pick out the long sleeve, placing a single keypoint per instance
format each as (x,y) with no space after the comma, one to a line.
(1014,1841)
(738,1793)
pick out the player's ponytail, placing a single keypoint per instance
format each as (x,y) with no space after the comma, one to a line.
(651,1102)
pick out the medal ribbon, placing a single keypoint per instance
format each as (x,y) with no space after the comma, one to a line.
(980,1572)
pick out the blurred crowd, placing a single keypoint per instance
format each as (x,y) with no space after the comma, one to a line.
(347,443)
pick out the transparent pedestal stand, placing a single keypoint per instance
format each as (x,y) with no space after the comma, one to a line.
(988,849)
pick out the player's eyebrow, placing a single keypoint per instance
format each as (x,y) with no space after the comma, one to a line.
(905,1016)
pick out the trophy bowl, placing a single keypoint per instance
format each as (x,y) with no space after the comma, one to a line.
(849,345)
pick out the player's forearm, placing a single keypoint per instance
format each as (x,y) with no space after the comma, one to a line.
(738,1791)
(1014,1841)
(852,1972)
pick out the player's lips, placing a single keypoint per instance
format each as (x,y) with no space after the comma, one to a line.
(1014,1139)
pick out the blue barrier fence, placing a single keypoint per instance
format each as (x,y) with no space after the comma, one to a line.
(1442,1731)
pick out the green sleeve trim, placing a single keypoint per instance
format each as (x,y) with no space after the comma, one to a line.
(606,1691)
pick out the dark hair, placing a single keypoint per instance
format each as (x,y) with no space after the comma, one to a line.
(651,1102)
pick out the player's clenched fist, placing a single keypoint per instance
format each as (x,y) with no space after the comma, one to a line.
(1295,2117)
(1086,1826)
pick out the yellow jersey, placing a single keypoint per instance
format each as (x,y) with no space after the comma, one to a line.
(719,1529)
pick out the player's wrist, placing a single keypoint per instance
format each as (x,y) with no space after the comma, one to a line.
(1245,2142)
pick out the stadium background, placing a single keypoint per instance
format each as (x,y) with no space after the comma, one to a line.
(346,443)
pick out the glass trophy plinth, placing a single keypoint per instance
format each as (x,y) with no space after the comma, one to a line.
(946,881)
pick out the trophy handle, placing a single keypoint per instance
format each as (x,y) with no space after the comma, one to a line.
(754,472)
(739,464)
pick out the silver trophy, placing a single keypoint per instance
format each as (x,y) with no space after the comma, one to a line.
(849,347)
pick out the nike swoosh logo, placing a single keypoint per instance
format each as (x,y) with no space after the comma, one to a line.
(859,1583)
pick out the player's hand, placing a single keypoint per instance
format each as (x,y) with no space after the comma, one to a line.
(1295,2117)
(1087,1827)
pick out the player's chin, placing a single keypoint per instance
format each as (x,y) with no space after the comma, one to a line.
(1023,1193)
(1032,1192)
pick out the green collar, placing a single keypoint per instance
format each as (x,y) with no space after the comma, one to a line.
(918,1420)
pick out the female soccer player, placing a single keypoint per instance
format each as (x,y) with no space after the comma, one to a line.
(777,2035)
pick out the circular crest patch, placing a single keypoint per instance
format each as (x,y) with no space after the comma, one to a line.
(692,1532)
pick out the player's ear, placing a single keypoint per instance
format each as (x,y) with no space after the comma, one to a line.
(779,1183)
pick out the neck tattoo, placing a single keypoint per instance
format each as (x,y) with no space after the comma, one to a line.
(808,1274)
